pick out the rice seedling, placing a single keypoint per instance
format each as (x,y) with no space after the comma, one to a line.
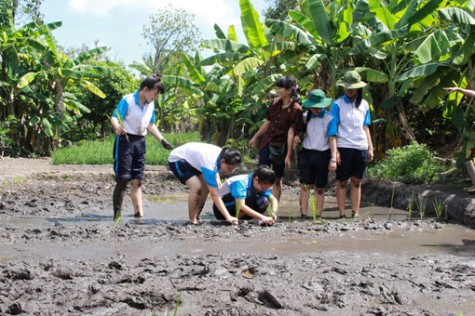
(119,118)
(409,208)
(438,207)
(421,204)
(392,202)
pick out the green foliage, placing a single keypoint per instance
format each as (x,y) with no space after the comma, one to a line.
(100,151)
(409,164)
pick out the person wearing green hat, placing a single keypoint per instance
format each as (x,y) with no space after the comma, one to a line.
(318,155)
(355,148)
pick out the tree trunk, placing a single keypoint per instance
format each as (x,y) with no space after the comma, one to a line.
(59,108)
(404,124)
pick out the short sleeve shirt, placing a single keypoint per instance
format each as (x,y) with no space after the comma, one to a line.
(351,121)
(240,187)
(319,129)
(203,157)
(281,120)
(135,117)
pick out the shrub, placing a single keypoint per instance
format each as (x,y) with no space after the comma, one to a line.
(409,164)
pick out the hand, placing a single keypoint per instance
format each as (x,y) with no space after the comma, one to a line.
(297,140)
(450,89)
(338,157)
(274,216)
(166,144)
(332,166)
(267,220)
(252,142)
(119,130)
(288,161)
(370,155)
(232,220)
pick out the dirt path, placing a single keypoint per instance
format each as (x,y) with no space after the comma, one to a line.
(60,253)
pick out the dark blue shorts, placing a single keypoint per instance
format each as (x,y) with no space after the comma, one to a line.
(353,163)
(183,170)
(313,167)
(264,159)
(258,203)
(129,157)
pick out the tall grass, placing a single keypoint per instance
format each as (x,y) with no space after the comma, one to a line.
(99,152)
(438,207)
(421,203)
(410,207)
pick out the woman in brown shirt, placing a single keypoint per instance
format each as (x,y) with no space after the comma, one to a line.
(284,119)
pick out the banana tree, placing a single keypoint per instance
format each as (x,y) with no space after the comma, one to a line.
(445,58)
(322,35)
(45,80)
(388,33)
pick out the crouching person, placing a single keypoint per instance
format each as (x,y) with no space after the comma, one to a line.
(198,165)
(250,193)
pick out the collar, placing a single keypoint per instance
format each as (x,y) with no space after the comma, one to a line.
(347,99)
(321,115)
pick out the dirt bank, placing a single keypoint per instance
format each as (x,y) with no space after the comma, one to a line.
(60,253)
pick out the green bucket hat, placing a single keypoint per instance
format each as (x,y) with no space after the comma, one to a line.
(316,99)
(351,80)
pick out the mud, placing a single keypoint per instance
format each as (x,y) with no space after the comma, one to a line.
(60,253)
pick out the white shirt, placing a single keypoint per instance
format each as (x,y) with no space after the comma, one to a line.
(350,121)
(201,156)
(319,129)
(135,118)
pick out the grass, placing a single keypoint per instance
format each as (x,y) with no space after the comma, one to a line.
(99,152)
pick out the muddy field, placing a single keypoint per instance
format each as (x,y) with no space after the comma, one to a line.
(60,253)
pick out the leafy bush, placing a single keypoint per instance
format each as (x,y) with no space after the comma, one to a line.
(409,164)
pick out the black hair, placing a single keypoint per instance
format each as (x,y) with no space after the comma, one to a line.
(359,97)
(288,82)
(153,82)
(265,174)
(231,156)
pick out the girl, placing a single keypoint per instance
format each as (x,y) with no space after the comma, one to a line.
(198,165)
(355,148)
(284,119)
(250,193)
(133,117)
(318,154)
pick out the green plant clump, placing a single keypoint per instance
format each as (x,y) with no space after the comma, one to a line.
(409,164)
(100,151)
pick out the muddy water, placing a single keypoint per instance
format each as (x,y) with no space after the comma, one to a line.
(60,253)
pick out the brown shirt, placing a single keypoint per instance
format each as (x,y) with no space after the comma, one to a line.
(281,120)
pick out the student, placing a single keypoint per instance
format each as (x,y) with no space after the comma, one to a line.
(318,154)
(133,117)
(284,119)
(355,148)
(250,193)
(198,165)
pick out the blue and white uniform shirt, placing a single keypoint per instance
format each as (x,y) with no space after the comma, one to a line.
(201,156)
(241,187)
(319,129)
(350,121)
(135,117)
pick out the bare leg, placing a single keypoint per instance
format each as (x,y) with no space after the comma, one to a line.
(136,196)
(118,197)
(320,196)
(355,195)
(195,186)
(277,189)
(303,198)
(203,196)
(341,196)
